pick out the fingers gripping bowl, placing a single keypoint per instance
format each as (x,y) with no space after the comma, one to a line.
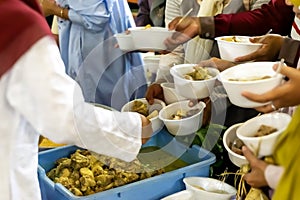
(255,77)
(231,47)
(263,144)
(191,88)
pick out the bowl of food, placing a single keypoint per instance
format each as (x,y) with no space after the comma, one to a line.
(260,133)
(170,94)
(149,38)
(150,111)
(181,119)
(125,41)
(233,146)
(193,81)
(209,188)
(256,77)
(231,47)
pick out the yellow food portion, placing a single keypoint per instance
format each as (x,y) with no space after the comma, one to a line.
(46,143)
(147,26)
(84,172)
(198,73)
(231,39)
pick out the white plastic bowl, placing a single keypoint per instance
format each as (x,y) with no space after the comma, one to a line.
(125,41)
(210,187)
(248,70)
(229,50)
(184,126)
(189,88)
(228,137)
(265,144)
(181,195)
(156,123)
(151,63)
(150,39)
(170,94)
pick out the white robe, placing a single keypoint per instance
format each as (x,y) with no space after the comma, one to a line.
(37,97)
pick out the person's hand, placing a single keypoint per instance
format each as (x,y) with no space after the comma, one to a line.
(287,94)
(218,63)
(269,50)
(48,7)
(256,177)
(154,91)
(207,110)
(147,130)
(185,30)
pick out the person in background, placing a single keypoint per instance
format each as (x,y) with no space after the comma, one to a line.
(283,176)
(151,12)
(106,74)
(275,15)
(199,49)
(37,97)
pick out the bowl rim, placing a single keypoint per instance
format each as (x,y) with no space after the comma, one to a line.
(272,135)
(209,179)
(152,57)
(219,39)
(156,101)
(174,73)
(166,84)
(201,103)
(228,70)
(122,35)
(227,132)
(152,28)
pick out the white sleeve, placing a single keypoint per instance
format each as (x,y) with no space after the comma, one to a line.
(172,10)
(273,174)
(53,104)
(166,62)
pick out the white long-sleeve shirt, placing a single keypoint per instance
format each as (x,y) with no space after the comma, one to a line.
(37,97)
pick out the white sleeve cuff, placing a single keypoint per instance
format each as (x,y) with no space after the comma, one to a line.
(273,174)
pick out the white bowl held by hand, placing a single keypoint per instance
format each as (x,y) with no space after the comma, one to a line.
(193,89)
(209,188)
(150,39)
(186,125)
(170,94)
(156,123)
(228,139)
(125,41)
(263,144)
(249,77)
(231,47)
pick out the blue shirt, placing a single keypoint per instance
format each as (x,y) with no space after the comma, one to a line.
(106,74)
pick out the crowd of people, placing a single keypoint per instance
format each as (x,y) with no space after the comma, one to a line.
(49,87)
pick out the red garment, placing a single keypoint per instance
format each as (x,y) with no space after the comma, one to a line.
(275,15)
(22,24)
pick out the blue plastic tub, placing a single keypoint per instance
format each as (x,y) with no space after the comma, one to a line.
(156,187)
